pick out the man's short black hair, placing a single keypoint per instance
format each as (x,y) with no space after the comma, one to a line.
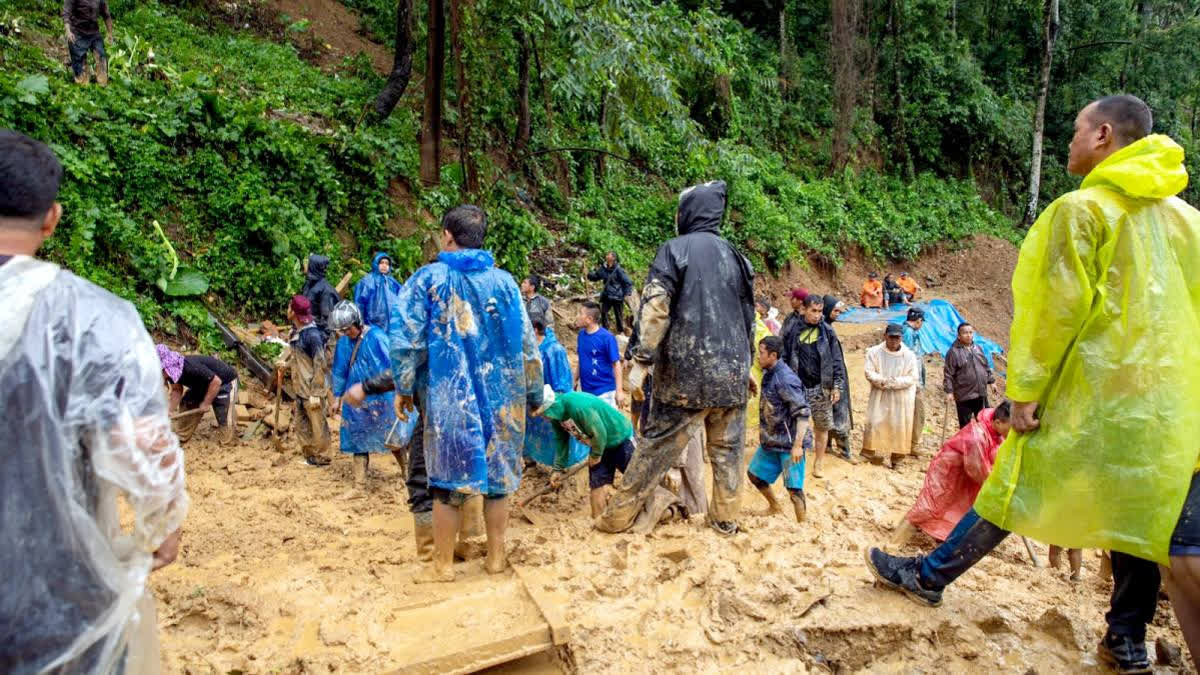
(467,224)
(1129,116)
(773,344)
(539,325)
(1003,411)
(815,300)
(535,281)
(961,326)
(30,175)
(592,309)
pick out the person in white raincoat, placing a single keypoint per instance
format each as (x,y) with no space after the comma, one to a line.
(84,420)
(893,371)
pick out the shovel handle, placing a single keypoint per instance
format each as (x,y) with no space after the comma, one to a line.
(547,489)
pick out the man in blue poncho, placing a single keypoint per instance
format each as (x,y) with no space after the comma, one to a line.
(361,353)
(462,344)
(375,294)
(542,440)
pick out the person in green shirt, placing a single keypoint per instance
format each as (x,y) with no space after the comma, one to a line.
(595,423)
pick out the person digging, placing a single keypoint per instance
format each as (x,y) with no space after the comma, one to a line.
(304,358)
(592,421)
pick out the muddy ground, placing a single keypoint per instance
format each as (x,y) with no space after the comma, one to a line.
(285,569)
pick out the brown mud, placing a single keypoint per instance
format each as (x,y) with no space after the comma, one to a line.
(285,569)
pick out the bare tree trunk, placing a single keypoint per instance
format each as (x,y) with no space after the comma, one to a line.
(524,131)
(1049,33)
(560,163)
(431,118)
(402,62)
(844,60)
(465,123)
(785,49)
(601,165)
(896,14)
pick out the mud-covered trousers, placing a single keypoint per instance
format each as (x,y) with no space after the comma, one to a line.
(663,439)
(420,497)
(1135,581)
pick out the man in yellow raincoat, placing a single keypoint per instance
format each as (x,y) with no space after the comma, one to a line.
(1103,376)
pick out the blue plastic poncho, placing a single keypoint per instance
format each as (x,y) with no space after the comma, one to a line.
(375,294)
(1106,297)
(364,429)
(542,438)
(460,334)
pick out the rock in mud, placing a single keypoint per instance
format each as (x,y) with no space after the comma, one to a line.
(1166,653)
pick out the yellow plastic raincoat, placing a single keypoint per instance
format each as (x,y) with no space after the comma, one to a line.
(760,331)
(1106,337)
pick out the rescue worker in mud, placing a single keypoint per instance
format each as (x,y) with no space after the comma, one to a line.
(462,343)
(696,331)
(811,350)
(784,436)
(304,358)
(198,382)
(1104,454)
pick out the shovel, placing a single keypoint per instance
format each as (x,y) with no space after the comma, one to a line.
(277,434)
(537,518)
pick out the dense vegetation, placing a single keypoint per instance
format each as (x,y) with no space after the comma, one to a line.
(889,125)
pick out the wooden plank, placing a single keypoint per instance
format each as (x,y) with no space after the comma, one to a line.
(510,648)
(560,628)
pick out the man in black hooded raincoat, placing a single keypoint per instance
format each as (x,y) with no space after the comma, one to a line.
(696,331)
(319,292)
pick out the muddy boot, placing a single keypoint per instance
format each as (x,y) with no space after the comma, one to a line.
(360,470)
(102,72)
(799,505)
(423,531)
(82,77)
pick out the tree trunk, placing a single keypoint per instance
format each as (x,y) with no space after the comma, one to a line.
(524,131)
(431,118)
(601,166)
(844,61)
(1049,33)
(458,10)
(402,63)
(563,175)
(896,11)
(785,50)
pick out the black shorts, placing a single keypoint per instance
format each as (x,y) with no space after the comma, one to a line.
(1185,541)
(614,459)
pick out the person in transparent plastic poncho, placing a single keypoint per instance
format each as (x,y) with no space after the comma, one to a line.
(84,420)
(1104,375)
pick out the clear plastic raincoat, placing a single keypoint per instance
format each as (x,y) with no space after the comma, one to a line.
(84,419)
(375,294)
(542,438)
(1107,314)
(460,333)
(363,429)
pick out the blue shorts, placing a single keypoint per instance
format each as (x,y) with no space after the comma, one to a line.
(768,464)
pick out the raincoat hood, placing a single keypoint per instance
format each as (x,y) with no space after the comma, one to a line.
(1149,168)
(467,259)
(830,304)
(317,264)
(375,263)
(701,208)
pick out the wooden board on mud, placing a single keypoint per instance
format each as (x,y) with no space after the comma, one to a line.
(478,623)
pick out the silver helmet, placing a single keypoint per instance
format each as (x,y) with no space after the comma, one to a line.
(344,315)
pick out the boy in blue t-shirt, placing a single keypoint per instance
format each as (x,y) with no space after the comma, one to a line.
(599,358)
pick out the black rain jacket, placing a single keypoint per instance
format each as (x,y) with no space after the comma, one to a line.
(617,283)
(319,292)
(696,322)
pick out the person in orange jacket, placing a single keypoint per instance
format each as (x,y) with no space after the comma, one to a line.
(909,285)
(872,292)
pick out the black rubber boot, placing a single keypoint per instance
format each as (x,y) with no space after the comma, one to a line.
(1123,654)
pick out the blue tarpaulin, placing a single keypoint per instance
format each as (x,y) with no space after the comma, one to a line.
(939,331)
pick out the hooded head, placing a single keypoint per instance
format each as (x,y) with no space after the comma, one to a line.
(701,208)
(317,264)
(172,362)
(831,304)
(380,256)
